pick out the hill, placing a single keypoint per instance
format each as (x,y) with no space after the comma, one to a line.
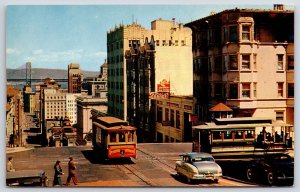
(44,73)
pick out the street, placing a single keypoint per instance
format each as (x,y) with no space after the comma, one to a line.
(154,166)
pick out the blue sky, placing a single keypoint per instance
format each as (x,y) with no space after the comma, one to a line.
(52,36)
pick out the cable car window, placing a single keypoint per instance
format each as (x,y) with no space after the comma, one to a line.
(113,137)
(121,137)
(217,135)
(130,136)
(239,135)
(227,135)
(250,134)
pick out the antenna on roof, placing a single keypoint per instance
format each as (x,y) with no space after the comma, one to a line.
(132,18)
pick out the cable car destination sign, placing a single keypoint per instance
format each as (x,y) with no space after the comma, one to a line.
(163,91)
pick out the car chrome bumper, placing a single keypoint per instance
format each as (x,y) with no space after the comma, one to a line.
(207,176)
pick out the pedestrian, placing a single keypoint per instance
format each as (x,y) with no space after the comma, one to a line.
(11,140)
(10,166)
(72,172)
(57,174)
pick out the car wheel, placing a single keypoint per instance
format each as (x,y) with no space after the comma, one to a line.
(216,180)
(270,178)
(188,180)
(250,174)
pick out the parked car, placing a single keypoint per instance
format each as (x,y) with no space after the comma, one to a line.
(198,166)
(271,168)
(27,178)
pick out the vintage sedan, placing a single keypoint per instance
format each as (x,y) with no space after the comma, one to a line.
(271,168)
(198,166)
(27,178)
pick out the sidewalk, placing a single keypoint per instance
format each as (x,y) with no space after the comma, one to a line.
(17,149)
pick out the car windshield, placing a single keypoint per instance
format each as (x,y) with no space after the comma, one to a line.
(198,159)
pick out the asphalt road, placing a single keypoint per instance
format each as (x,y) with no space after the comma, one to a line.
(154,166)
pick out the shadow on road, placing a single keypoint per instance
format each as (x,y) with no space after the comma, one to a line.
(193,182)
(97,158)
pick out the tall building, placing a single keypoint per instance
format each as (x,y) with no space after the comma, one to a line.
(245,59)
(14,115)
(75,78)
(118,41)
(29,100)
(173,60)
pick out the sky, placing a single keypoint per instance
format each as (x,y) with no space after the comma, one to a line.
(53,36)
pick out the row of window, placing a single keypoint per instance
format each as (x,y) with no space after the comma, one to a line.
(115,98)
(115,46)
(169,117)
(56,97)
(169,43)
(219,90)
(116,85)
(115,111)
(231,62)
(115,59)
(115,72)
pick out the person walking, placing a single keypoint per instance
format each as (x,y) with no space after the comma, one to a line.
(57,174)
(11,141)
(72,172)
(10,166)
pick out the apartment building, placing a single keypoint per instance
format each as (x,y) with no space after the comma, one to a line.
(245,59)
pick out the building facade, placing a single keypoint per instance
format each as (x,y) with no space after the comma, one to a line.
(97,86)
(29,100)
(173,119)
(243,58)
(165,57)
(84,106)
(75,78)
(71,107)
(14,115)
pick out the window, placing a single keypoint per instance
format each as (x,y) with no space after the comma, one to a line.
(157,42)
(233,62)
(218,90)
(280,89)
(245,61)
(113,137)
(233,91)
(218,64)
(121,137)
(233,33)
(164,43)
(159,114)
(255,89)
(172,118)
(246,32)
(182,43)
(280,62)
(177,119)
(246,90)
(170,42)
(167,114)
(254,61)
(291,90)
(225,34)
(279,115)
(176,42)
(290,60)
